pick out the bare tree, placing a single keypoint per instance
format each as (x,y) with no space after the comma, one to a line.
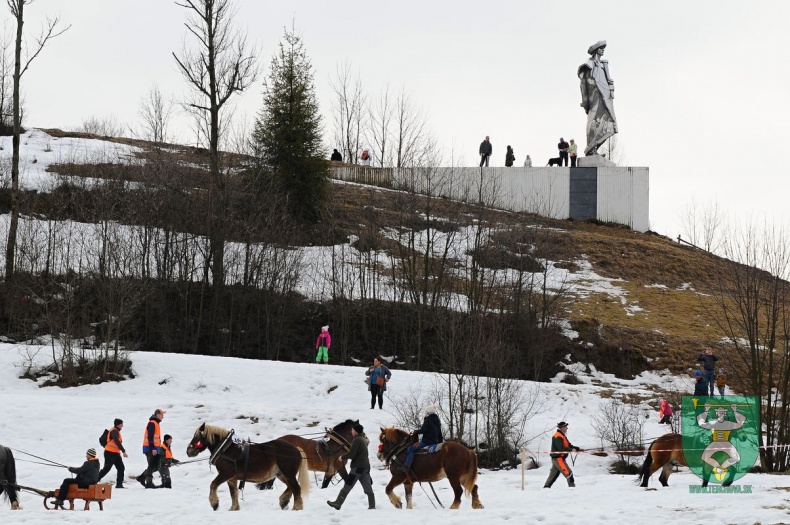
(380,117)
(704,227)
(49,31)
(155,113)
(6,82)
(409,131)
(103,126)
(753,310)
(222,65)
(349,111)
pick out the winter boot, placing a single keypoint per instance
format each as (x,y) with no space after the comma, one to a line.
(141,480)
(571,483)
(340,498)
(119,484)
(371,501)
(166,483)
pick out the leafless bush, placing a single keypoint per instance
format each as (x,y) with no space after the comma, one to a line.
(621,426)
(103,126)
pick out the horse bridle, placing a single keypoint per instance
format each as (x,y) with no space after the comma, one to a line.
(332,435)
(397,449)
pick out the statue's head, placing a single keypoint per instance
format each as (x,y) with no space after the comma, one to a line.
(597,48)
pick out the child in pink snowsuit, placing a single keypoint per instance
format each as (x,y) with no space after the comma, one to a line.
(322,344)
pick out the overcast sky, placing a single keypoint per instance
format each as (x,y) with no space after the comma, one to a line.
(701,86)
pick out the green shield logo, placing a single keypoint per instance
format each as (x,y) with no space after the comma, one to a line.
(720,436)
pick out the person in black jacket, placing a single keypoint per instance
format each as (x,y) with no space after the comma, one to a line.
(563,147)
(336,156)
(431,431)
(87,474)
(485,151)
(112,453)
(701,386)
(709,365)
(359,469)
(510,157)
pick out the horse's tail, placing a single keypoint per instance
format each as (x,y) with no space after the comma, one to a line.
(471,474)
(304,474)
(644,472)
(10,492)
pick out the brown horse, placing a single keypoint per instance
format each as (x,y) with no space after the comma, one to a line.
(8,486)
(453,461)
(666,451)
(324,455)
(254,462)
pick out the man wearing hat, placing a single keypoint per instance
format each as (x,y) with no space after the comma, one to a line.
(152,440)
(359,470)
(560,446)
(112,453)
(597,89)
(87,474)
(701,386)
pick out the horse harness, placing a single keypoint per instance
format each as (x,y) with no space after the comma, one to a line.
(332,436)
(226,444)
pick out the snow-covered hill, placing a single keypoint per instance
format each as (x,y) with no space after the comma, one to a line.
(60,424)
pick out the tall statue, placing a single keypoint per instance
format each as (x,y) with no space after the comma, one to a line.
(597,98)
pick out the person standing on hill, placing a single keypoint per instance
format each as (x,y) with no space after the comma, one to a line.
(510,157)
(87,475)
(112,454)
(379,376)
(322,344)
(560,446)
(336,156)
(485,151)
(528,162)
(701,386)
(152,440)
(665,413)
(563,147)
(721,381)
(573,149)
(708,361)
(358,470)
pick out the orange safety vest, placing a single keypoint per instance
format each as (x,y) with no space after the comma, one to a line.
(565,443)
(157,433)
(111,446)
(168,453)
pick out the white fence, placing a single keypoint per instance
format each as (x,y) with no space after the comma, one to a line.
(622,193)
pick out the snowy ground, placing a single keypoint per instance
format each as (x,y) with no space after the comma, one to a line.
(60,424)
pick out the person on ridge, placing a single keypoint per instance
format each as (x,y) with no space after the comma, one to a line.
(431,431)
(665,413)
(359,469)
(87,475)
(112,454)
(322,344)
(560,446)
(708,361)
(485,152)
(510,157)
(701,386)
(336,156)
(721,381)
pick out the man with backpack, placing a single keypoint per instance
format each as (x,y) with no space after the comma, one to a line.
(112,441)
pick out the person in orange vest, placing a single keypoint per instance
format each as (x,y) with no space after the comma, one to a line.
(87,475)
(167,460)
(151,442)
(560,446)
(112,453)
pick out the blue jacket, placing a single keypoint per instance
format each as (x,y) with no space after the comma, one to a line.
(701,387)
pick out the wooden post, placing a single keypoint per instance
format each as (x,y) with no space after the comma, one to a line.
(523,457)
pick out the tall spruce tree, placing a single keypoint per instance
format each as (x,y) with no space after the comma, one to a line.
(287,134)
